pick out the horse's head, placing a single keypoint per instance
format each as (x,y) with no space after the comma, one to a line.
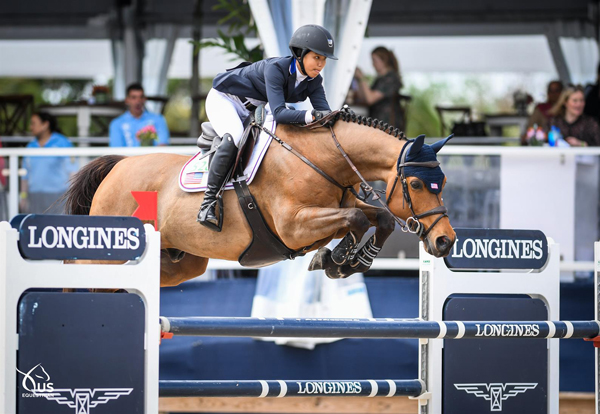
(415,195)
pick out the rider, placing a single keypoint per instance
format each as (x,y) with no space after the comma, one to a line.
(238,91)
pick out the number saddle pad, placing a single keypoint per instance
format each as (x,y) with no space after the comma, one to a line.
(194,173)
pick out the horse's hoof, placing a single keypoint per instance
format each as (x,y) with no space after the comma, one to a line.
(319,260)
(335,272)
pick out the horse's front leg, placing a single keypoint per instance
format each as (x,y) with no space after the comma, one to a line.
(323,223)
(336,262)
(385,225)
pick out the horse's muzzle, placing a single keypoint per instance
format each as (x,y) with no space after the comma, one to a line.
(441,248)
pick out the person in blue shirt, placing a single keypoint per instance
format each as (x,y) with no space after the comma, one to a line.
(47,178)
(123,129)
(276,81)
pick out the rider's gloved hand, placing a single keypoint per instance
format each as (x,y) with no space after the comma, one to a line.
(319,115)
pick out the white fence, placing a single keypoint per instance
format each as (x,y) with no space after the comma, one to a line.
(536,190)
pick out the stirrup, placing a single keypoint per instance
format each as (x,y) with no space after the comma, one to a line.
(201,218)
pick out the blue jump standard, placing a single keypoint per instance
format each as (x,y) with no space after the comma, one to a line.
(302,388)
(376,328)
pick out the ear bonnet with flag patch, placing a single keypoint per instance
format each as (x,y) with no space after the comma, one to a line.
(420,152)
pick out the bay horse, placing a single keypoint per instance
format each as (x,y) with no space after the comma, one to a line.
(303,209)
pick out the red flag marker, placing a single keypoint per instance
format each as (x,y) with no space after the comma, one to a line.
(147,206)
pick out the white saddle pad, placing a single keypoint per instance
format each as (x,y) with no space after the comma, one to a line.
(194,173)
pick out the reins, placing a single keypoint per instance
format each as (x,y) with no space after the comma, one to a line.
(412,224)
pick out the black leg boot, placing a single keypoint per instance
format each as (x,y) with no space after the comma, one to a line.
(219,167)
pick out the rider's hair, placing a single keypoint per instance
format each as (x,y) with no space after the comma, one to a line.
(372,122)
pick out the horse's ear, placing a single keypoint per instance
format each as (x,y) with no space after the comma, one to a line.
(437,146)
(417,145)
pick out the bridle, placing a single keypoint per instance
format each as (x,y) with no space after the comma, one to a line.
(413,223)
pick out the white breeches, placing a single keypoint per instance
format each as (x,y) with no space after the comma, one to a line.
(226,114)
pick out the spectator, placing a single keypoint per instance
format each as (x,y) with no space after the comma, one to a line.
(541,114)
(124,130)
(592,99)
(382,97)
(578,129)
(47,177)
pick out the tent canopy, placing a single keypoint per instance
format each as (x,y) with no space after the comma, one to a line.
(74,19)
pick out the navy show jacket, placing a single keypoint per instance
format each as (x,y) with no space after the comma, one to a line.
(273,80)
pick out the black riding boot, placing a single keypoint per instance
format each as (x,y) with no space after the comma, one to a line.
(222,160)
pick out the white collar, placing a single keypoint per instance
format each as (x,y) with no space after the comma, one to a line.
(299,75)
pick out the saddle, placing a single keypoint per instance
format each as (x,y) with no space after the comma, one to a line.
(209,141)
(265,248)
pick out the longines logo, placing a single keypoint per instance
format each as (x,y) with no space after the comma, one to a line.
(45,237)
(37,382)
(504,329)
(498,249)
(495,393)
(329,387)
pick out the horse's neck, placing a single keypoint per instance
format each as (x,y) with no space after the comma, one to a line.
(373,152)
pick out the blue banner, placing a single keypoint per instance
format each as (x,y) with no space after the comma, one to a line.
(80,353)
(61,237)
(508,375)
(498,249)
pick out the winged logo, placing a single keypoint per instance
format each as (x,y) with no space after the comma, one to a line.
(495,393)
(83,399)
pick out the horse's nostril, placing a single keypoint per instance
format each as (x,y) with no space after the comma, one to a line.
(442,243)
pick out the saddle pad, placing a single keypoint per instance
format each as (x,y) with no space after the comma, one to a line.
(194,173)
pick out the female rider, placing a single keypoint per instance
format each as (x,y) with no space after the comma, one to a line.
(276,80)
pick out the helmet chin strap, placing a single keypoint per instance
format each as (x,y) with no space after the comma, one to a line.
(300,61)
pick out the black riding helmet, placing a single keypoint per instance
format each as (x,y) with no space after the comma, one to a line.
(311,37)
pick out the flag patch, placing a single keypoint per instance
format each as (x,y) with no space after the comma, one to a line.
(434,186)
(193,178)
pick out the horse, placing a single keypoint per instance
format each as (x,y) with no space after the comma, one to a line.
(300,206)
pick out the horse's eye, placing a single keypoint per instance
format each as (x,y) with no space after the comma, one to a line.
(417,185)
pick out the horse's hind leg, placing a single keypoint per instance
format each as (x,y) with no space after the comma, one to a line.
(173,273)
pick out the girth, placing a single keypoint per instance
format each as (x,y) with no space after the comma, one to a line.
(265,248)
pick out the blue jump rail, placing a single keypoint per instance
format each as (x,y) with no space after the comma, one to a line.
(375,328)
(301,388)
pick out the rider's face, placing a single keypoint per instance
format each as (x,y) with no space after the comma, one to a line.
(314,64)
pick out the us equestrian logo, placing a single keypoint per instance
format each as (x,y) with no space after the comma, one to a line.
(496,393)
(37,382)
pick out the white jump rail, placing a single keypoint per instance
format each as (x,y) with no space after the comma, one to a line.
(12,171)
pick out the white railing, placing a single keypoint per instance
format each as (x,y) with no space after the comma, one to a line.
(14,154)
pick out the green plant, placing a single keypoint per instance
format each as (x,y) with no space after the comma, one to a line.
(241,24)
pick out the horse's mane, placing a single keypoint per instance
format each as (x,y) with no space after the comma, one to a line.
(370,122)
(351,117)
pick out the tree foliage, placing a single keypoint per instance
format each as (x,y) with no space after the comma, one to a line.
(241,24)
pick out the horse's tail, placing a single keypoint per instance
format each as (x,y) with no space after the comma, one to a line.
(83,186)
